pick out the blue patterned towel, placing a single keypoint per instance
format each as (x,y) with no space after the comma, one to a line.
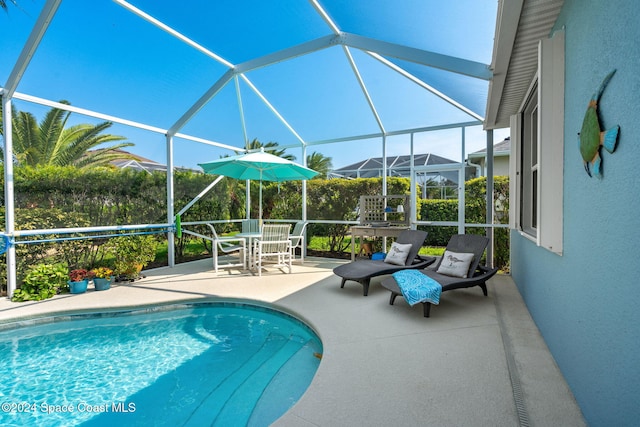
(417,287)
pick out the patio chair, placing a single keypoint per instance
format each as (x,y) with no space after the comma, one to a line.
(274,245)
(228,246)
(476,275)
(298,240)
(362,271)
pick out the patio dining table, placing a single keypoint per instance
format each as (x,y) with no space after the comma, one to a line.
(251,237)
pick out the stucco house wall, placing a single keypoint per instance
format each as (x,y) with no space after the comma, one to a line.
(500,164)
(501,153)
(586,302)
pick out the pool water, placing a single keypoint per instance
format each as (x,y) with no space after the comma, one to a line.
(202,364)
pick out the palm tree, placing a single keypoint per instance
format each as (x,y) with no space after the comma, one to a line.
(319,163)
(269,147)
(3,4)
(50,142)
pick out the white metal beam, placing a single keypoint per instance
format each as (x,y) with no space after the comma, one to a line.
(392,133)
(29,48)
(71,230)
(490,195)
(436,60)
(372,106)
(426,86)
(419,56)
(412,183)
(245,137)
(204,99)
(208,142)
(171,258)
(384,171)
(115,119)
(88,113)
(174,33)
(8,92)
(272,108)
(289,53)
(462,183)
(199,196)
(325,16)
(9,194)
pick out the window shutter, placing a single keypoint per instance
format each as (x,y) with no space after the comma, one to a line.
(515,168)
(551,142)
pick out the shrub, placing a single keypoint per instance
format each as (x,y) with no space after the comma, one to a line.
(337,199)
(132,253)
(41,282)
(71,253)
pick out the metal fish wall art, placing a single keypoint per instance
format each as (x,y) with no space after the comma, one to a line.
(592,138)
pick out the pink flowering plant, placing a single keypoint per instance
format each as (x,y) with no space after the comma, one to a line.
(80,274)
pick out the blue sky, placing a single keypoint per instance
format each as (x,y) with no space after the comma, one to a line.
(101,57)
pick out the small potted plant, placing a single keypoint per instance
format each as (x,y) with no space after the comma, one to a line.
(79,280)
(132,253)
(42,281)
(102,278)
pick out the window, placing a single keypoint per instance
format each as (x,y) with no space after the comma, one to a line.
(529,164)
(537,154)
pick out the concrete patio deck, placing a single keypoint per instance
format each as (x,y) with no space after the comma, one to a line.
(477,361)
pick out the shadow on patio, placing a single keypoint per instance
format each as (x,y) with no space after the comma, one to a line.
(476,361)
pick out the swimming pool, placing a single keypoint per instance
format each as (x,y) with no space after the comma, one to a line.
(189,364)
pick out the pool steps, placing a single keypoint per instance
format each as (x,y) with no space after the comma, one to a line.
(260,365)
(288,384)
(247,395)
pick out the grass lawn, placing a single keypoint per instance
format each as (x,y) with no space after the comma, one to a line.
(321,243)
(195,249)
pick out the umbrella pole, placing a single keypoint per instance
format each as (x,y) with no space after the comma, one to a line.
(260,202)
(260,217)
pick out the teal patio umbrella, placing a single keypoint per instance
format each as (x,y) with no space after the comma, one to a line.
(259,166)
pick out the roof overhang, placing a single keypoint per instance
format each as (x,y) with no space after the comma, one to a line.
(519,26)
(484,155)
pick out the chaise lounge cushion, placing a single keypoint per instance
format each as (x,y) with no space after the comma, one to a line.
(455,264)
(398,253)
(362,271)
(477,274)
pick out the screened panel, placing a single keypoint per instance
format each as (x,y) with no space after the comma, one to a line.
(105,57)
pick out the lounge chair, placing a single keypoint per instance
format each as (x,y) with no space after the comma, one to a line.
(362,271)
(477,275)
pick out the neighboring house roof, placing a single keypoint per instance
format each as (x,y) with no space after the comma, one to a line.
(136,162)
(502,148)
(396,166)
(515,55)
(139,165)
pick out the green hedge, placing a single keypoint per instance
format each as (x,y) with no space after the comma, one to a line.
(60,197)
(27,255)
(108,196)
(475,213)
(64,197)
